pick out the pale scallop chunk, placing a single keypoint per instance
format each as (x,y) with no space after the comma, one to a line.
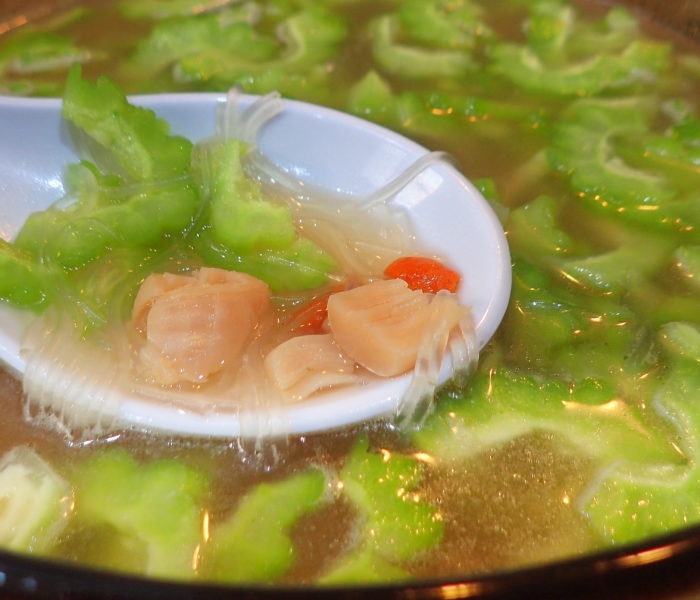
(153,286)
(194,328)
(380,325)
(306,364)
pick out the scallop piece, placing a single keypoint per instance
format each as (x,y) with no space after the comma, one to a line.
(153,286)
(380,324)
(305,364)
(196,327)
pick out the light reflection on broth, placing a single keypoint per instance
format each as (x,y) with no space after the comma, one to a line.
(517,499)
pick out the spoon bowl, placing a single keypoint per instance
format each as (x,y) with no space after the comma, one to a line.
(319,147)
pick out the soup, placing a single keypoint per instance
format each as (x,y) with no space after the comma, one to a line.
(577,432)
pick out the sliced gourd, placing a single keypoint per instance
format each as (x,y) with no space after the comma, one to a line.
(34,501)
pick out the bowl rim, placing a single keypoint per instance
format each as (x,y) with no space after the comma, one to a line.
(655,568)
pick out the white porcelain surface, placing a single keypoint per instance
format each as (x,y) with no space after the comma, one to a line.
(328,149)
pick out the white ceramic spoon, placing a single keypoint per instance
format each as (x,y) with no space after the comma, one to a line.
(322,147)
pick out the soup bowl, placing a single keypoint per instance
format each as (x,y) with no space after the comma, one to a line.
(657,567)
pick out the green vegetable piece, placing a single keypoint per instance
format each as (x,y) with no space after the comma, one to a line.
(89,189)
(135,137)
(445,24)
(639,62)
(674,155)
(549,28)
(681,340)
(618,270)
(312,86)
(241,218)
(308,39)
(163,9)
(371,97)
(364,567)
(561,333)
(614,271)
(658,307)
(301,266)
(34,502)
(381,488)
(102,292)
(22,282)
(156,503)
(414,61)
(583,149)
(32,238)
(40,52)
(80,241)
(532,228)
(624,511)
(435,113)
(396,526)
(609,35)
(677,110)
(246,231)
(688,261)
(175,39)
(487,188)
(666,156)
(104,216)
(500,406)
(253,543)
(674,149)
(100,213)
(30,87)
(35,53)
(144,220)
(627,507)
(569,55)
(688,131)
(102,547)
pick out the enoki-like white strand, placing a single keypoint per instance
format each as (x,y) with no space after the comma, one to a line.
(385,193)
(70,386)
(245,125)
(438,338)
